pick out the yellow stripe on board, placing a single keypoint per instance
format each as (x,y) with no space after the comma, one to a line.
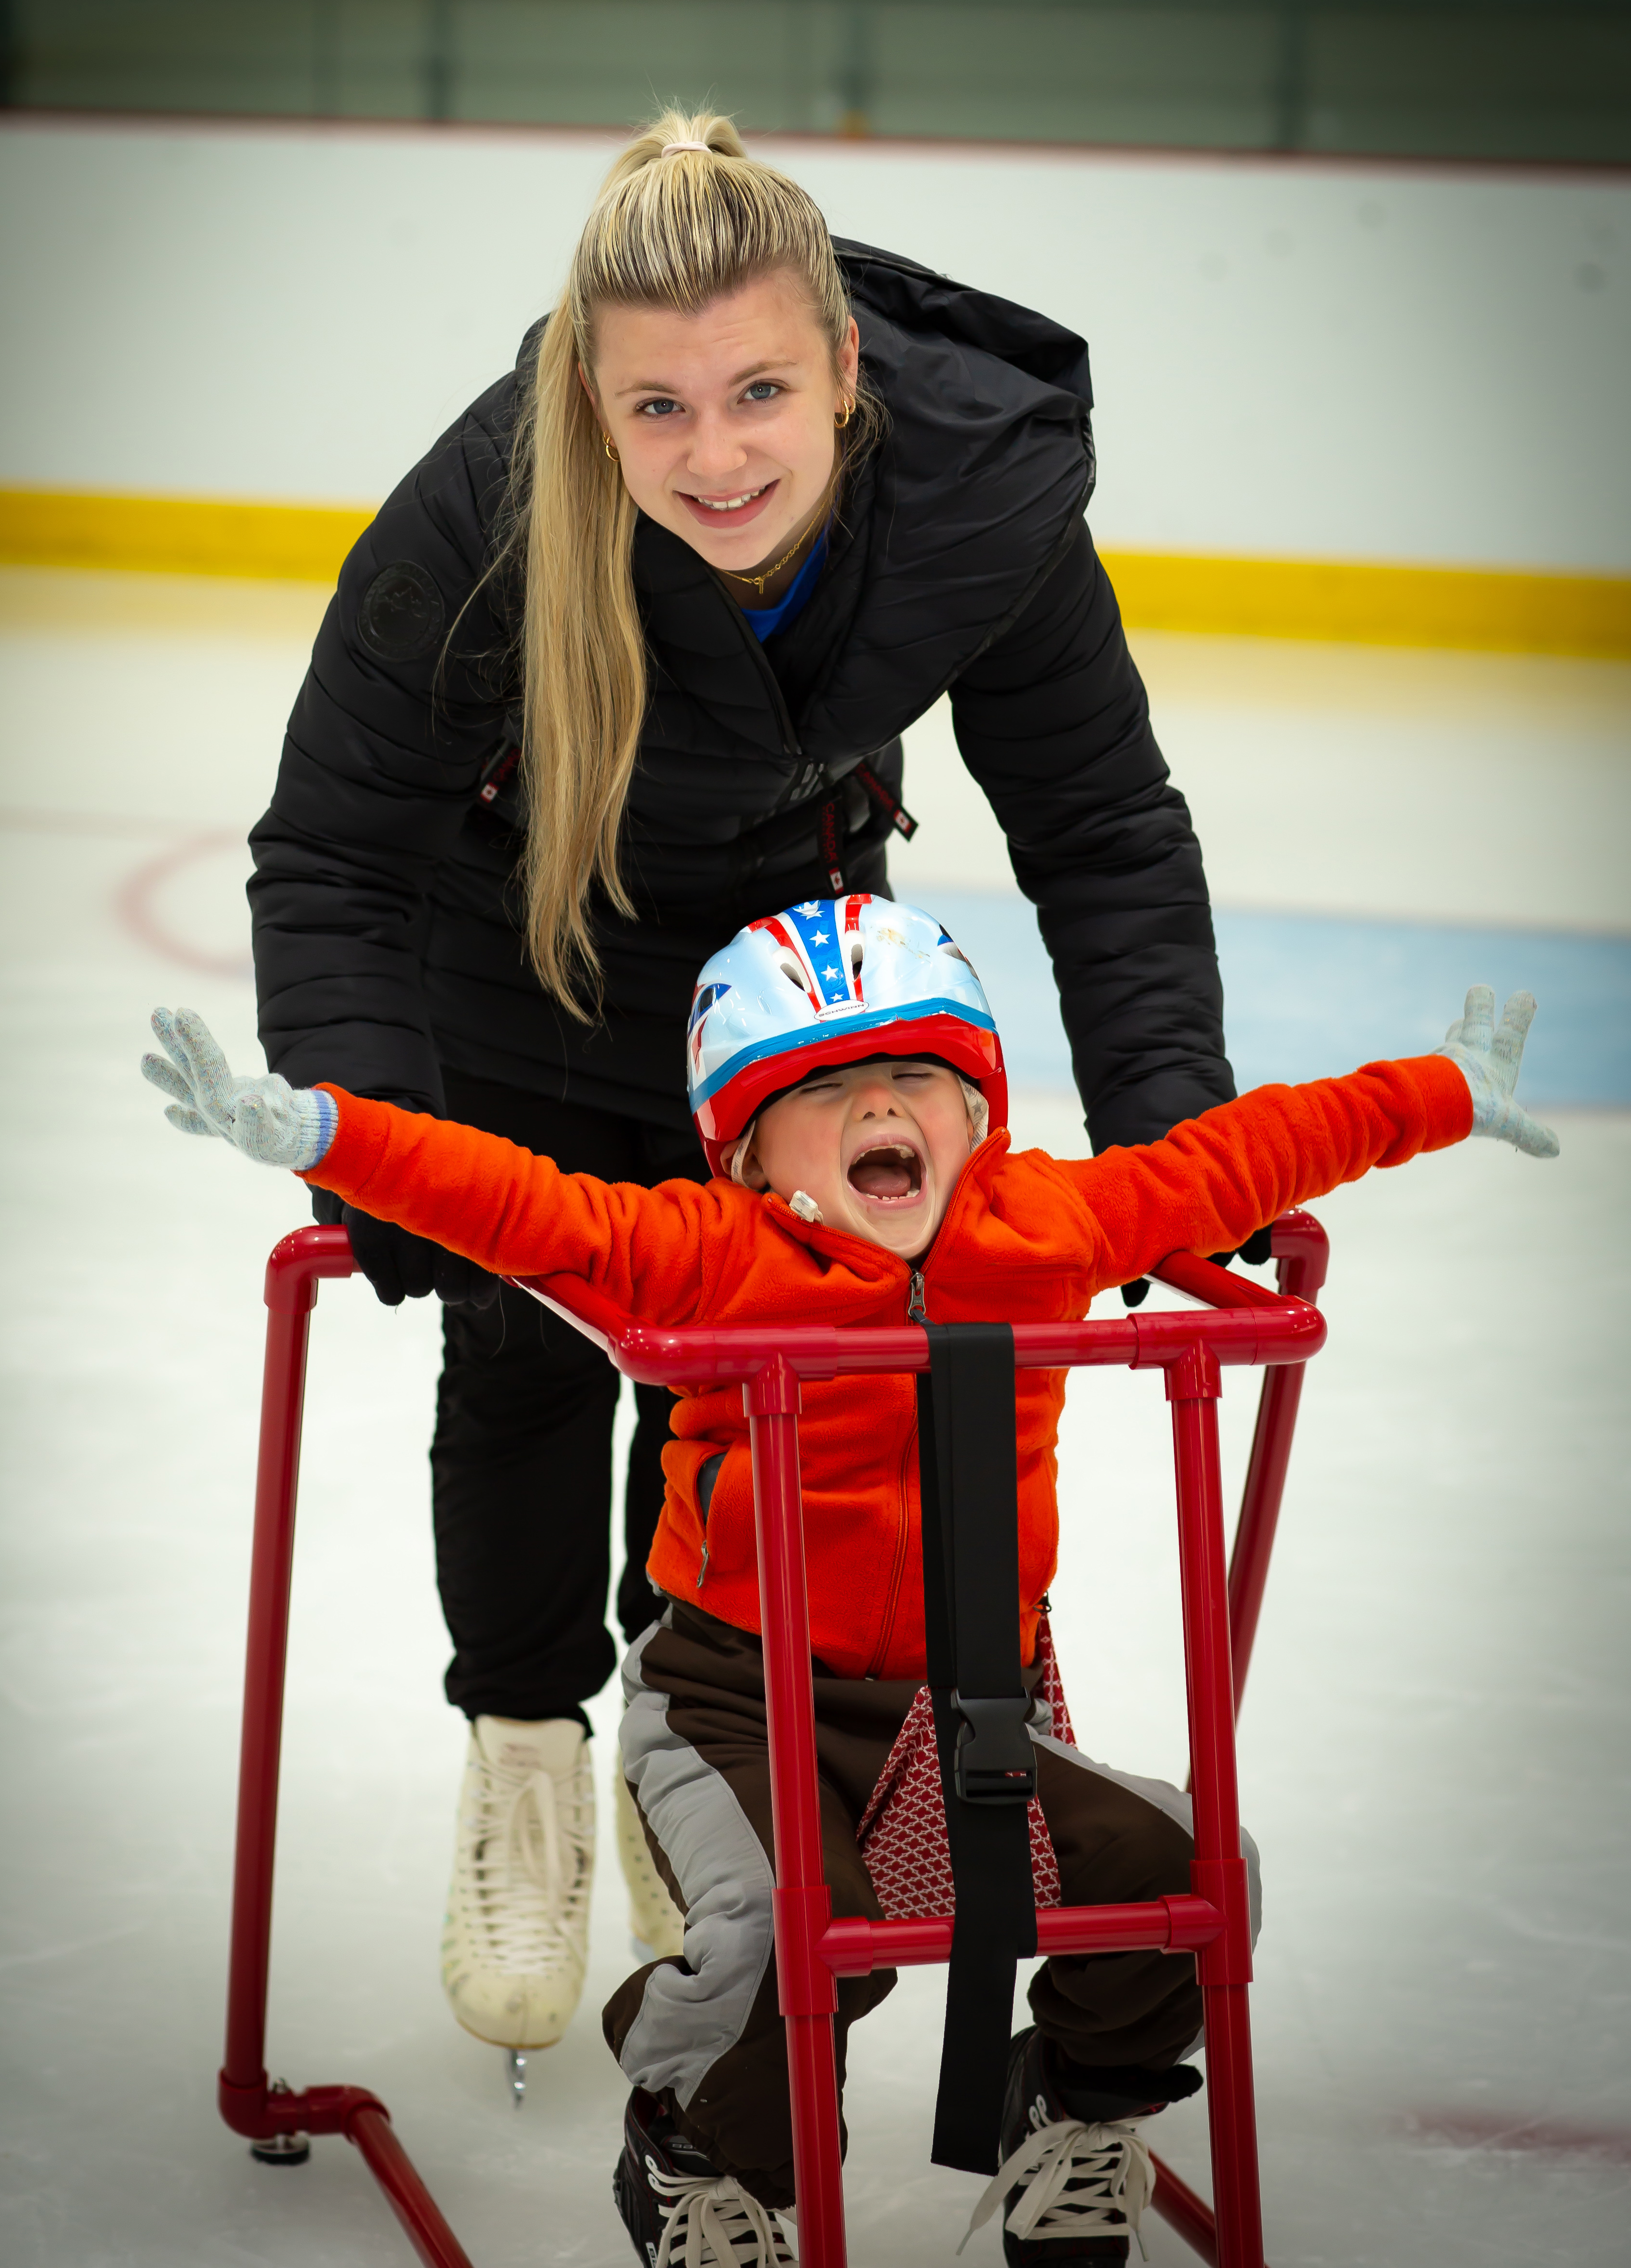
(1509,611)
(1503,610)
(178,535)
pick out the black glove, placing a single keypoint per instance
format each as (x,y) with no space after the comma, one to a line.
(1257,1249)
(401,1266)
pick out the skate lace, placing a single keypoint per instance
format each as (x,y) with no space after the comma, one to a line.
(529,1869)
(1074,2180)
(716,2219)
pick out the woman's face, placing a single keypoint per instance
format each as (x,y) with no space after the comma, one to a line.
(723,420)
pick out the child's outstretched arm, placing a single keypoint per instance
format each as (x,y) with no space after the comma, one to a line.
(478,1194)
(1217,1179)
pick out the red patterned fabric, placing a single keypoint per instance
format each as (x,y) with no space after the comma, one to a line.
(902,1831)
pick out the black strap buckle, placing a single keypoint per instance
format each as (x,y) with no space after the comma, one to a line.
(995,1762)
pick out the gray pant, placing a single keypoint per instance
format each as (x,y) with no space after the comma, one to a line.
(704,2032)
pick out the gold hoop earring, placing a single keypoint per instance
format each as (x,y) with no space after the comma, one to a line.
(605,443)
(849,411)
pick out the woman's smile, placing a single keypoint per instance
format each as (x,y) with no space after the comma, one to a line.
(718,511)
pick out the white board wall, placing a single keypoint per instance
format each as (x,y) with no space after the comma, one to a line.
(1321,359)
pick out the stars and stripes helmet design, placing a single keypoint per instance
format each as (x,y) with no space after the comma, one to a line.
(832,981)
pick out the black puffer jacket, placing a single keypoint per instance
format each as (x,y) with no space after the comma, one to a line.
(386,918)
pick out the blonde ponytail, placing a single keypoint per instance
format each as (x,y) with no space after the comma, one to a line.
(674,226)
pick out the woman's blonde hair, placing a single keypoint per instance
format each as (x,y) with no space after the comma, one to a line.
(674,230)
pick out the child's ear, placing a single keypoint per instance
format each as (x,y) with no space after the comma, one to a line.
(750,1172)
(743,1167)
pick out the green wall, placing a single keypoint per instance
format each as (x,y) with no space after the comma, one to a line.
(1538,80)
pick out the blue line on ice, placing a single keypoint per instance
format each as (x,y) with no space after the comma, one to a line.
(1309,995)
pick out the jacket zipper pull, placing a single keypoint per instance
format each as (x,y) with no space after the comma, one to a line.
(915,1310)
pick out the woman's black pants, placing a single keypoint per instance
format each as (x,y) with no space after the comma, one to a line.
(521,1463)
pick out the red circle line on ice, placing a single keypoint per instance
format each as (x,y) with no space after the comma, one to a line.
(136,911)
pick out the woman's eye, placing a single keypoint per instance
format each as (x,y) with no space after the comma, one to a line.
(762,390)
(661,408)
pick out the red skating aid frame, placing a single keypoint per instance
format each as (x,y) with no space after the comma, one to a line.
(1240,1324)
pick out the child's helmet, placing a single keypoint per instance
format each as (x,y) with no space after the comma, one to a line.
(832,981)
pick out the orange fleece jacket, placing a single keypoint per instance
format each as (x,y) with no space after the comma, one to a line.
(1025,1238)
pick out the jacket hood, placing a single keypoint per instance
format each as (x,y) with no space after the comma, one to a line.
(915,299)
(971,495)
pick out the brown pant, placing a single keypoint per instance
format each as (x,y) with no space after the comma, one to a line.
(704,2032)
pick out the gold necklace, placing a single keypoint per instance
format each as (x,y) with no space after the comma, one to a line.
(759,581)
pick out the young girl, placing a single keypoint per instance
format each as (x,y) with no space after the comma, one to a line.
(846,1082)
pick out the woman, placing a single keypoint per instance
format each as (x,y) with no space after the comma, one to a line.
(622,665)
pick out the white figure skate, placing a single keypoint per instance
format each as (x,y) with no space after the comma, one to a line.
(656,1924)
(516,1941)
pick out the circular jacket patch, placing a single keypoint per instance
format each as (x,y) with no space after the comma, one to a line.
(401,617)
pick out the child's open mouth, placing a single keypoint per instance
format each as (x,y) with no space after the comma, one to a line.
(887,1173)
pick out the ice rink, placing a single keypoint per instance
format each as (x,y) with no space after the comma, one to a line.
(1434,1740)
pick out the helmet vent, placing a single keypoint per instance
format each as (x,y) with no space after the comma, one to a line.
(858,955)
(793,973)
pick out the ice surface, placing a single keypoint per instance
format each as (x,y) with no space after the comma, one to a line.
(1433,1744)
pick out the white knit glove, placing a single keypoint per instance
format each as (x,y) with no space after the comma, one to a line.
(265,1118)
(1488,1060)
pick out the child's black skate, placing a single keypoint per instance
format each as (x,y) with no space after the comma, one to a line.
(1076,2173)
(678,2209)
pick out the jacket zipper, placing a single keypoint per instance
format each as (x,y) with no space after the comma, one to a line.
(915,1313)
(829,838)
(789,737)
(897,1573)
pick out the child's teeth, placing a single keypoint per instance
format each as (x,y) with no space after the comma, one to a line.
(731,503)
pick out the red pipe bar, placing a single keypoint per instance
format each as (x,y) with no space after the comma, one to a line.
(406,2194)
(1301,1247)
(250,2105)
(292,1280)
(1189,2214)
(1278,1331)
(854,1947)
(1302,1252)
(804,1906)
(1218,1870)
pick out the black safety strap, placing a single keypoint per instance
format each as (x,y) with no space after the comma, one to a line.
(830,837)
(968,1482)
(498,771)
(898,817)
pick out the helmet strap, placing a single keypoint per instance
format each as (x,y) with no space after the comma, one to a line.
(739,1156)
(978,1112)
